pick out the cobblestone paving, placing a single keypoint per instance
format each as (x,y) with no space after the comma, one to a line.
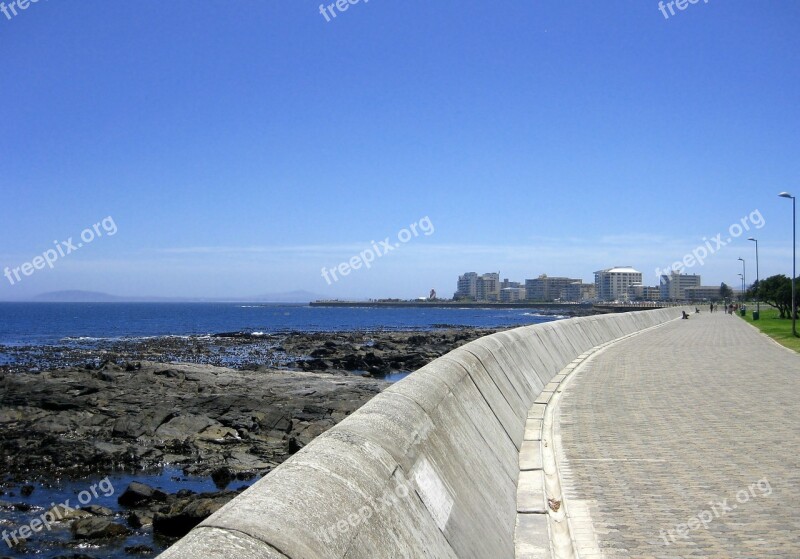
(684,442)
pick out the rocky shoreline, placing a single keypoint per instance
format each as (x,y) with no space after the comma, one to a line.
(137,406)
(367,352)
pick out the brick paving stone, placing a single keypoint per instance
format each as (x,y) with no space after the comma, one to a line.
(696,419)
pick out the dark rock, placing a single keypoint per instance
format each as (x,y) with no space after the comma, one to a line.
(185,514)
(140,494)
(26,490)
(104,376)
(372,359)
(315,365)
(294,445)
(222,477)
(95,527)
(353,362)
(98,510)
(140,549)
(55,402)
(170,373)
(184,426)
(146,422)
(140,518)
(68,513)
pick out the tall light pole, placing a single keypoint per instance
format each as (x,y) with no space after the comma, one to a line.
(794,256)
(758,301)
(744,279)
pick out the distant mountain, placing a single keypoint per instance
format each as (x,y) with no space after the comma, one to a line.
(77,296)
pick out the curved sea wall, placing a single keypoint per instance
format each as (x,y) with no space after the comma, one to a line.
(428,468)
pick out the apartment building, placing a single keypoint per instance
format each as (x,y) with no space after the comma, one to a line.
(546,288)
(674,285)
(476,287)
(613,283)
(512,294)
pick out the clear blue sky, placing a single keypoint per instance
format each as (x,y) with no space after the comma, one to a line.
(241,146)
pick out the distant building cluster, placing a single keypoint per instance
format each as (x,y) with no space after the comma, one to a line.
(488,287)
(479,288)
(621,283)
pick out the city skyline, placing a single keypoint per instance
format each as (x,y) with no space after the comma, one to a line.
(613,283)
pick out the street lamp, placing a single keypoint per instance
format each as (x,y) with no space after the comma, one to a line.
(744,279)
(794,257)
(756,314)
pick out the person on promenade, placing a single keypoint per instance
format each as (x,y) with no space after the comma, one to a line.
(711,307)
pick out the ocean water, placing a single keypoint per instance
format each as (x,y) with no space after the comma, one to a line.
(56,541)
(54,323)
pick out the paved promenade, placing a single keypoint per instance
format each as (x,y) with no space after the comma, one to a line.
(684,441)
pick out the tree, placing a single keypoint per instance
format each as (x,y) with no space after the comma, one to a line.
(776,291)
(725,292)
(752,291)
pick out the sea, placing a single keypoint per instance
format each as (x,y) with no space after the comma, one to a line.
(24,324)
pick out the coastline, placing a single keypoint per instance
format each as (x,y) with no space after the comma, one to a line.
(578,308)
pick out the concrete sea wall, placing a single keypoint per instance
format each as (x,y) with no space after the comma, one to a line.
(428,468)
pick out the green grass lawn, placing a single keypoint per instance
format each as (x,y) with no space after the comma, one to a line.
(779,329)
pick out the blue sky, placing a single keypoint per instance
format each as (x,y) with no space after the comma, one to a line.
(240,147)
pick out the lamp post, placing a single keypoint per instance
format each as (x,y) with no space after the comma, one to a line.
(794,256)
(757,314)
(744,279)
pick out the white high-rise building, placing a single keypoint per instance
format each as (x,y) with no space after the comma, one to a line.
(612,284)
(485,287)
(467,287)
